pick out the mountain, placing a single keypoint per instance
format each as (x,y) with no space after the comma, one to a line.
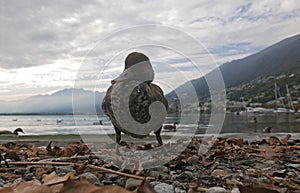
(57,103)
(278,59)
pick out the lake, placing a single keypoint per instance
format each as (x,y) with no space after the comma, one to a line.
(87,124)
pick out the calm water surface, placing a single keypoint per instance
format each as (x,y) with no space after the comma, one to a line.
(233,124)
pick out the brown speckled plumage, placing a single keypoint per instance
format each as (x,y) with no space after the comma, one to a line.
(139,101)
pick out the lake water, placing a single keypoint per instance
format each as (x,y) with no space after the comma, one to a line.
(50,124)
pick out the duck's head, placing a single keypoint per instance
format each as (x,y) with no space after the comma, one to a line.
(137,67)
(16,132)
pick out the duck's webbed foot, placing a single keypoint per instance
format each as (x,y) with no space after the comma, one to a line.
(118,138)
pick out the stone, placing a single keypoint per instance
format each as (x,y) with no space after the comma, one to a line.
(216,190)
(235,190)
(121,182)
(111,177)
(178,185)
(90,177)
(178,190)
(193,160)
(164,188)
(63,170)
(20,171)
(218,173)
(132,184)
(107,182)
(28,177)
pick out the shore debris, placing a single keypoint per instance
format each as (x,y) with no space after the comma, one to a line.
(230,164)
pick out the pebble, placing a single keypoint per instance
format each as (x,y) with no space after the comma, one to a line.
(20,171)
(111,177)
(164,188)
(18,180)
(216,190)
(63,170)
(235,190)
(107,182)
(269,162)
(1,183)
(178,190)
(193,160)
(178,184)
(187,175)
(217,173)
(121,182)
(28,177)
(90,177)
(132,184)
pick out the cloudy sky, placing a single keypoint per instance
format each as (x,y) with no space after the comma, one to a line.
(47,46)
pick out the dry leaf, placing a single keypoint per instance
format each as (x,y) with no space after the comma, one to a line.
(7,190)
(39,172)
(80,168)
(263,189)
(285,140)
(274,141)
(28,187)
(84,186)
(53,178)
(196,188)
(235,141)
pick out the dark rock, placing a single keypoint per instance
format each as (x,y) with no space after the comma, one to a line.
(90,177)
(28,177)
(63,170)
(132,184)
(20,171)
(111,177)
(121,182)
(12,155)
(107,182)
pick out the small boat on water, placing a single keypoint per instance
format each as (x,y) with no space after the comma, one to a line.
(15,119)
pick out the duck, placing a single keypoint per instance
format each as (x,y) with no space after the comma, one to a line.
(170,127)
(268,129)
(138,71)
(59,121)
(98,123)
(16,132)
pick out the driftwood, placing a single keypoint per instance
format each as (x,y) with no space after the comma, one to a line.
(79,165)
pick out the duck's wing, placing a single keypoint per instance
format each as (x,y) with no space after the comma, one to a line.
(158,93)
(142,97)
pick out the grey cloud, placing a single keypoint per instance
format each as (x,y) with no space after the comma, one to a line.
(40,32)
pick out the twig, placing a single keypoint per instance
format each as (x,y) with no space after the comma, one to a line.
(78,164)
